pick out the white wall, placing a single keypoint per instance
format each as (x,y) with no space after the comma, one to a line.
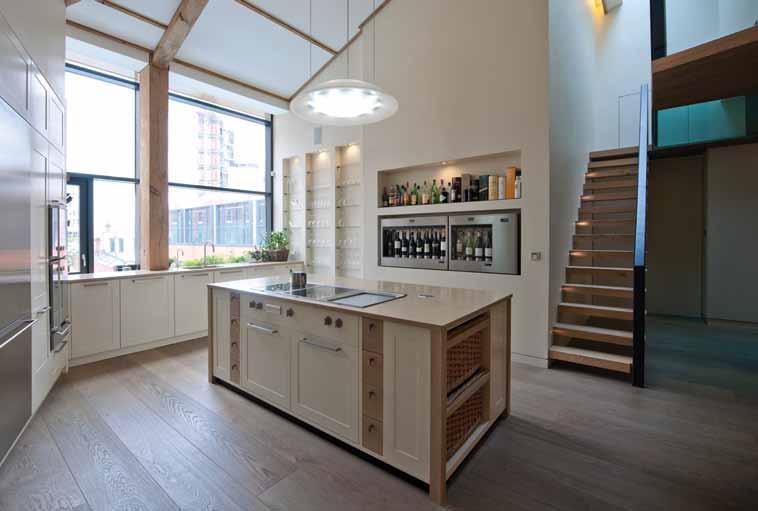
(731,268)
(693,22)
(471,78)
(41,27)
(597,64)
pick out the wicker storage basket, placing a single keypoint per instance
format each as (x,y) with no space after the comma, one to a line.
(464,421)
(464,360)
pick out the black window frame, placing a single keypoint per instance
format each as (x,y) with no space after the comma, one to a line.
(268,193)
(86,180)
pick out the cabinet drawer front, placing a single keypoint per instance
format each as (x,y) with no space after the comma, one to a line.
(372,368)
(372,401)
(372,434)
(372,335)
(265,364)
(327,323)
(234,372)
(229,275)
(325,384)
(263,308)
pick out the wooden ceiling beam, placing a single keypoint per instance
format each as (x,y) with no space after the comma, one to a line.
(69,3)
(133,14)
(287,26)
(178,29)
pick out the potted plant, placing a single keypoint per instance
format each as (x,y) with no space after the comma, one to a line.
(275,248)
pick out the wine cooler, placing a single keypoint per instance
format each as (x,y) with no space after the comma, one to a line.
(483,243)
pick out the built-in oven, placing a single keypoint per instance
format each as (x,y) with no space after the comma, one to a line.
(57,273)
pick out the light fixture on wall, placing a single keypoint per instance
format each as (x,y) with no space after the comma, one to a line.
(345,102)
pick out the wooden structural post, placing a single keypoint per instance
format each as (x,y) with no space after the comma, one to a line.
(153,134)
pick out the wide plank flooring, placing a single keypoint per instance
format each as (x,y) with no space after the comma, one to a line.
(147,431)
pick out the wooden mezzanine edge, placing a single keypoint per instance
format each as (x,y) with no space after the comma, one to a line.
(721,68)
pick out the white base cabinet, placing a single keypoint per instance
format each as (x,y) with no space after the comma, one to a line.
(147,309)
(325,384)
(191,302)
(265,354)
(95,317)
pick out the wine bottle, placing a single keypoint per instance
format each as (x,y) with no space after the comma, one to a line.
(398,248)
(412,247)
(435,192)
(425,194)
(414,195)
(435,246)
(459,245)
(487,247)
(407,194)
(478,248)
(419,246)
(443,245)
(427,246)
(404,246)
(469,246)
(385,198)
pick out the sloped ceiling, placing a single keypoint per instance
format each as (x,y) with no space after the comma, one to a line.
(259,47)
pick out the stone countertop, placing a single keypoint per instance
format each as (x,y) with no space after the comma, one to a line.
(423,305)
(113,275)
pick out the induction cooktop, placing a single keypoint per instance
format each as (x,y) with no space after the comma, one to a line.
(342,295)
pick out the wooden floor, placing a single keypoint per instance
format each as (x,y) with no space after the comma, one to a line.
(147,431)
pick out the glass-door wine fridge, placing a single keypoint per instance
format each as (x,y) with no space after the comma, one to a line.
(481,243)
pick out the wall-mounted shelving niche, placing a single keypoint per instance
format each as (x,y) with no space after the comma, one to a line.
(494,164)
(323,209)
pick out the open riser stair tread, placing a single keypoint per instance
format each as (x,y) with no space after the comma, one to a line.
(596,310)
(611,172)
(609,196)
(610,361)
(615,154)
(615,163)
(603,184)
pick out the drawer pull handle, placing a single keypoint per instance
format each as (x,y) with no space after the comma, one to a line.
(269,331)
(371,394)
(328,320)
(371,428)
(371,326)
(290,313)
(145,279)
(234,367)
(96,284)
(234,345)
(338,323)
(320,346)
(252,304)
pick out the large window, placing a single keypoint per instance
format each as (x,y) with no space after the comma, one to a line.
(219,165)
(102,168)
(219,175)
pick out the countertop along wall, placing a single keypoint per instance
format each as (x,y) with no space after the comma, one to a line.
(471,78)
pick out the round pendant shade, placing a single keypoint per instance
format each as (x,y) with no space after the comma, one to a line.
(344,103)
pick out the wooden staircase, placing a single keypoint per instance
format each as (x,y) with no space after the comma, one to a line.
(595,316)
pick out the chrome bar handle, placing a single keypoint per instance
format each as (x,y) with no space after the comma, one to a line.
(269,331)
(307,341)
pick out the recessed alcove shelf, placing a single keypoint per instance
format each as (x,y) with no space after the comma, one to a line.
(494,164)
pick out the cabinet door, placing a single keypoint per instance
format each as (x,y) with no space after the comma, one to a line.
(407,400)
(95,318)
(39,220)
(13,78)
(229,275)
(265,354)
(147,309)
(191,302)
(325,384)
(221,334)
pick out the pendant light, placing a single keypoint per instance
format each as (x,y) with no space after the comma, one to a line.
(345,102)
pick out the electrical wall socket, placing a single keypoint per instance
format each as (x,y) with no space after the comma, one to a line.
(536,256)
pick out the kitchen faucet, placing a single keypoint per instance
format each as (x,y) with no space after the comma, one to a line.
(205,254)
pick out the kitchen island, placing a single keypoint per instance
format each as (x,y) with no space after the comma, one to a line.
(415,380)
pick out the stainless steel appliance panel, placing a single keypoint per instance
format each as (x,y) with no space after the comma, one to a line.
(418,223)
(15,383)
(503,230)
(15,218)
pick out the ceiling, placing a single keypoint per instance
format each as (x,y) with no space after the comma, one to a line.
(236,41)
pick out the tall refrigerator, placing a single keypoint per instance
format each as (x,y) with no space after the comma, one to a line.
(15,276)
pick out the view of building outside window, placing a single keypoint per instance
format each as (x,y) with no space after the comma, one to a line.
(73,236)
(211,149)
(114,219)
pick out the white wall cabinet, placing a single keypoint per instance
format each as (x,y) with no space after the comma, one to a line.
(95,317)
(325,384)
(407,401)
(147,309)
(191,302)
(265,361)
